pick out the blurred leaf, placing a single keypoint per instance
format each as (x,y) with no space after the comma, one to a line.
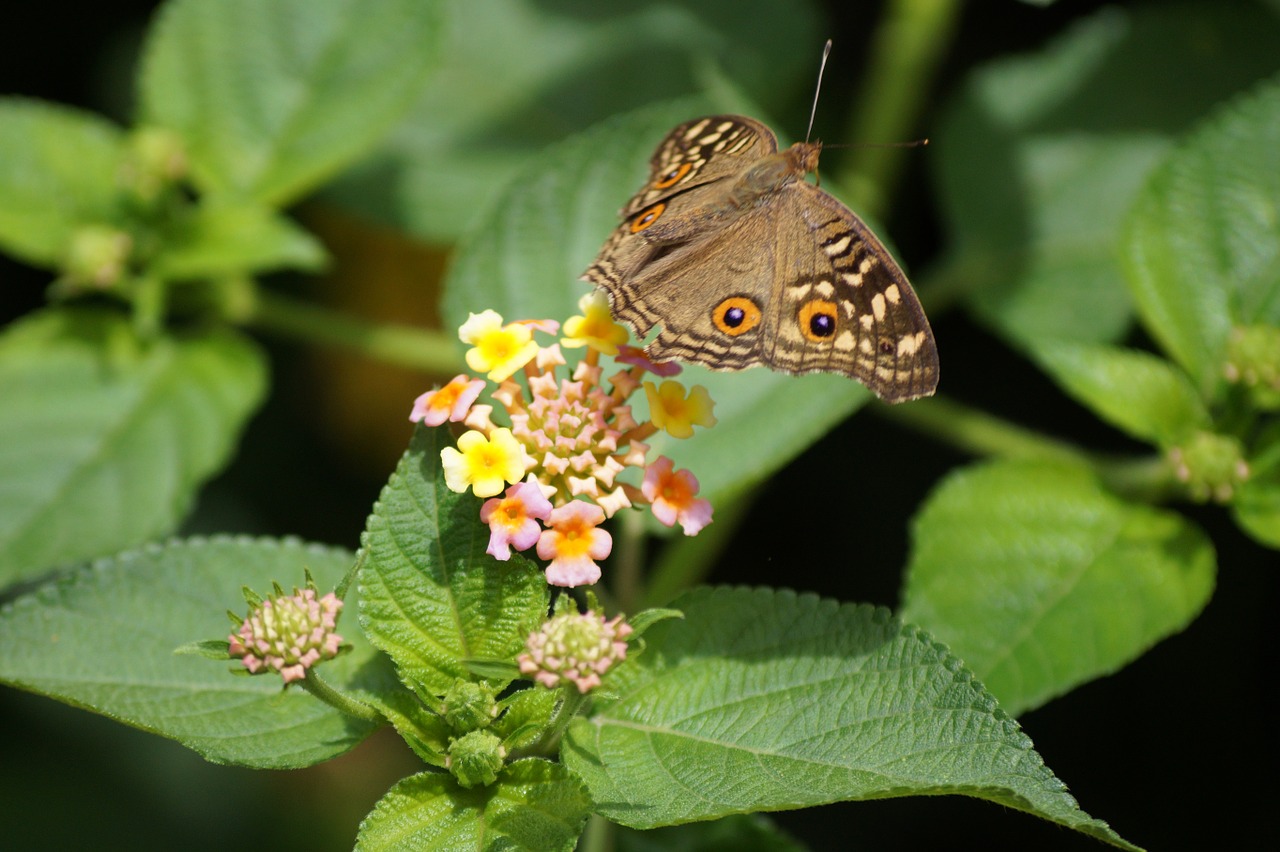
(1039,157)
(535,805)
(104,638)
(58,173)
(1257,509)
(526,257)
(429,594)
(104,438)
(1040,580)
(1202,247)
(739,832)
(225,237)
(843,703)
(274,98)
(1144,395)
(518,75)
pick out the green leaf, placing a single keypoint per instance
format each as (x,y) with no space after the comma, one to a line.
(1144,395)
(226,237)
(58,172)
(274,98)
(429,594)
(768,700)
(104,438)
(1040,156)
(1257,509)
(104,638)
(535,805)
(740,832)
(1041,580)
(525,716)
(524,261)
(1202,246)
(519,75)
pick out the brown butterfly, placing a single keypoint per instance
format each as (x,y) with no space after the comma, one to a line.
(741,261)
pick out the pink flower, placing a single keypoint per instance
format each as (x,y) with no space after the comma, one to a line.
(513,519)
(673,495)
(451,402)
(637,357)
(573,543)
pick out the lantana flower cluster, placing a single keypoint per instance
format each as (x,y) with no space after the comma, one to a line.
(554,473)
(288,634)
(575,648)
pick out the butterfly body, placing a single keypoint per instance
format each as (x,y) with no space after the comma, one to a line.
(741,261)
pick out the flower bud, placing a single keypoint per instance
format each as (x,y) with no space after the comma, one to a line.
(576,648)
(469,706)
(1212,466)
(474,759)
(288,634)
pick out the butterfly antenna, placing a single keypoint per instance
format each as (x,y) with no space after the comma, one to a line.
(813,112)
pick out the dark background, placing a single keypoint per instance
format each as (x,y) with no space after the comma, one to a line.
(1176,751)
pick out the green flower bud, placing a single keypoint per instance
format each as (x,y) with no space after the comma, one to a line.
(474,759)
(98,255)
(469,706)
(1212,466)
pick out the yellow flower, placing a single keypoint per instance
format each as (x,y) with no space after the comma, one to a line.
(484,464)
(497,350)
(595,328)
(671,410)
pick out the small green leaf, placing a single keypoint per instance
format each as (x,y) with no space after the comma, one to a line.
(768,700)
(1144,395)
(1041,580)
(225,237)
(526,714)
(104,438)
(429,594)
(58,173)
(104,638)
(534,805)
(525,260)
(522,74)
(1257,509)
(273,98)
(1202,246)
(1040,156)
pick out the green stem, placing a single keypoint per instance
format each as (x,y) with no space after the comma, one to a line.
(626,571)
(1149,479)
(548,743)
(686,560)
(321,689)
(598,836)
(429,351)
(907,47)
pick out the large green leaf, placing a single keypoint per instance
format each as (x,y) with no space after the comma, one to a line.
(104,637)
(271,98)
(1146,396)
(1040,580)
(104,438)
(58,172)
(525,259)
(767,700)
(1039,157)
(1203,244)
(535,806)
(518,75)
(429,594)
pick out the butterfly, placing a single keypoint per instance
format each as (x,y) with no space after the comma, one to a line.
(741,262)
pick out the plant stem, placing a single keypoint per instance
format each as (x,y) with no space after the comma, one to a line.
(430,351)
(1149,479)
(549,742)
(321,689)
(908,45)
(598,836)
(627,581)
(685,561)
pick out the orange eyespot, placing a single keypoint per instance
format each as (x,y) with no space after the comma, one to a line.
(673,176)
(818,320)
(736,315)
(647,218)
